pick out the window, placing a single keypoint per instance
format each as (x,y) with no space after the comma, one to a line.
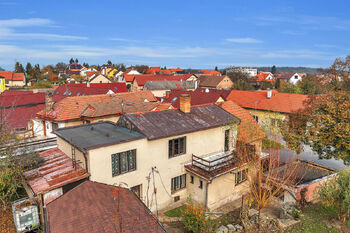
(54,125)
(178,183)
(177,147)
(200,184)
(123,162)
(256,118)
(241,176)
(296,76)
(227,140)
(192,179)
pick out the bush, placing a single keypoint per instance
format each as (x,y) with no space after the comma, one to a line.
(195,220)
(270,144)
(42,84)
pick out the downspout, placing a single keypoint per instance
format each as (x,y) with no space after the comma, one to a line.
(206,195)
(86,161)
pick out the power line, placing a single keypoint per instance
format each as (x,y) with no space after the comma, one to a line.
(161,180)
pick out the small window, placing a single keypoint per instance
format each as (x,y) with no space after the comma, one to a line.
(227,140)
(123,162)
(176,198)
(200,184)
(178,183)
(54,125)
(192,179)
(177,147)
(241,176)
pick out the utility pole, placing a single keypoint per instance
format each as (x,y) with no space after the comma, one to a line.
(155,190)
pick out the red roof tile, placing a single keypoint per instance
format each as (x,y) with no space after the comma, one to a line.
(279,102)
(153,70)
(99,208)
(18,118)
(248,130)
(55,172)
(130,77)
(262,76)
(15,98)
(210,72)
(141,80)
(11,76)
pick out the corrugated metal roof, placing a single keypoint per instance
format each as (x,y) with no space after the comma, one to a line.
(174,122)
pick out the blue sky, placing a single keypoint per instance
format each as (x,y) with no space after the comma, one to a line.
(192,33)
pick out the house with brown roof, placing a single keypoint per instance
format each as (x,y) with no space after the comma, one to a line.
(215,82)
(13,79)
(78,110)
(99,208)
(270,107)
(161,88)
(291,77)
(185,152)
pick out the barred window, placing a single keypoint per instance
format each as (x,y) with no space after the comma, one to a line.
(123,162)
(241,176)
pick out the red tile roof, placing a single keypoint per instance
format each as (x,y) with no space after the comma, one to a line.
(11,76)
(262,76)
(141,80)
(71,108)
(99,208)
(197,97)
(16,98)
(167,72)
(55,172)
(18,118)
(90,73)
(248,130)
(154,69)
(15,92)
(279,102)
(130,77)
(79,89)
(210,72)
(175,69)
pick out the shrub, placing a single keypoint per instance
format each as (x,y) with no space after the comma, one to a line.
(195,220)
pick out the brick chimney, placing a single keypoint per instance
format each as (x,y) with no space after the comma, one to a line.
(48,102)
(185,103)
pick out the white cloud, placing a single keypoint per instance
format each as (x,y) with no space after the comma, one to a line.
(246,40)
(7,31)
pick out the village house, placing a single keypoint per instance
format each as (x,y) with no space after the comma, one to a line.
(84,70)
(263,77)
(250,71)
(17,108)
(160,88)
(208,72)
(291,77)
(179,141)
(269,108)
(139,81)
(111,208)
(73,69)
(215,82)
(79,110)
(99,78)
(13,79)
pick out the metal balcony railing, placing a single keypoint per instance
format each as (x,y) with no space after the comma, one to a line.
(215,162)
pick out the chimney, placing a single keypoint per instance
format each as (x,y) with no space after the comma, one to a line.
(185,103)
(88,84)
(206,90)
(269,93)
(48,102)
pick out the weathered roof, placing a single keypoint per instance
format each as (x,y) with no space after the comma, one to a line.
(210,72)
(8,99)
(210,80)
(248,129)
(116,107)
(198,97)
(168,85)
(18,118)
(161,124)
(100,208)
(142,79)
(279,102)
(71,108)
(91,136)
(55,172)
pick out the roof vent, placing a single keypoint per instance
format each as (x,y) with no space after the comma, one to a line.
(207,90)
(269,93)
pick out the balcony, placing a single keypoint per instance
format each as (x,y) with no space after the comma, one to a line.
(214,164)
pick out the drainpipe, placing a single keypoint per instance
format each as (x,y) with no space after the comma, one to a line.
(206,195)
(86,162)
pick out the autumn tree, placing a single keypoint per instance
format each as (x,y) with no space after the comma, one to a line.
(141,68)
(310,85)
(71,61)
(60,67)
(273,69)
(240,80)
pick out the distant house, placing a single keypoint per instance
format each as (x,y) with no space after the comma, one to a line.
(2,84)
(269,108)
(291,77)
(73,69)
(84,70)
(99,78)
(96,207)
(17,108)
(215,82)
(250,71)
(153,70)
(140,80)
(78,110)
(209,72)
(14,79)
(160,88)
(263,77)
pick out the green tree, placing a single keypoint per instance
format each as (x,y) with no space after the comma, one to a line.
(109,63)
(273,69)
(29,68)
(60,67)
(324,124)
(76,61)
(86,65)
(216,68)
(1,69)
(278,83)
(19,68)
(240,80)
(71,61)
(310,85)
(335,193)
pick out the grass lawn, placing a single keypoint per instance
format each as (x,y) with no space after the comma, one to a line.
(175,212)
(318,219)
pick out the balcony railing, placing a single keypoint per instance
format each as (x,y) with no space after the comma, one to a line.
(215,162)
